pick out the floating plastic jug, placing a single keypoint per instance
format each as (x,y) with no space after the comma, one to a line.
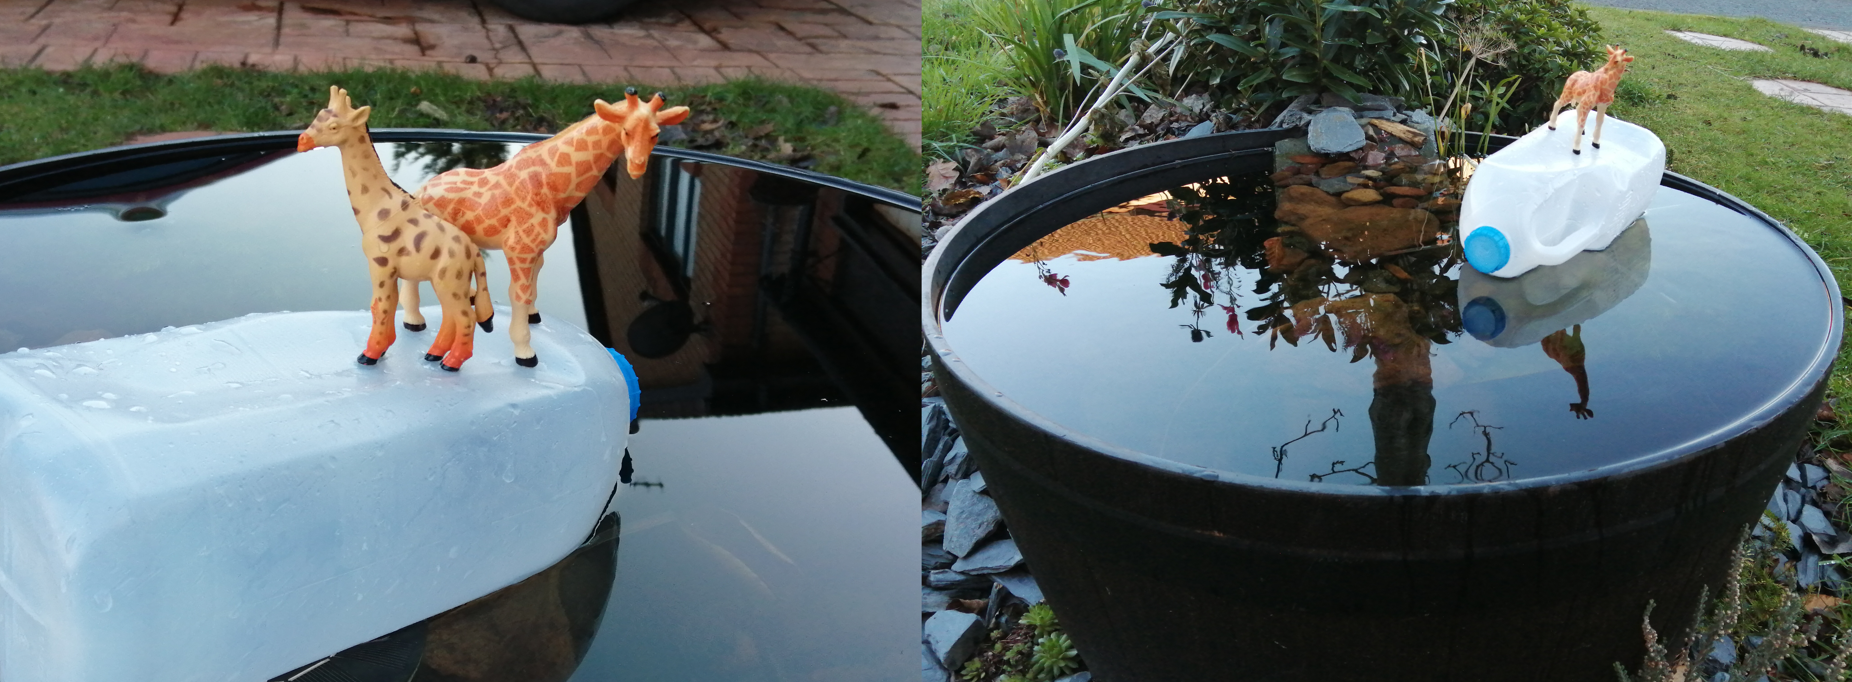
(1518,311)
(1537,203)
(233,500)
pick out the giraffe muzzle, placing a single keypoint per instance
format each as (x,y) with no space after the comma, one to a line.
(304,142)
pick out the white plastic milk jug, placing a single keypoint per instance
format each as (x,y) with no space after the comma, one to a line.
(1536,202)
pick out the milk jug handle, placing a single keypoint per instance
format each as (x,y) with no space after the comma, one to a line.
(1568,247)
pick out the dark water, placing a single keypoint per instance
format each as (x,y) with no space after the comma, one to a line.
(766,533)
(1194,351)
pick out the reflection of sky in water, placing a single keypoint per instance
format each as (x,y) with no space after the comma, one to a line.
(777,549)
(1729,315)
(280,237)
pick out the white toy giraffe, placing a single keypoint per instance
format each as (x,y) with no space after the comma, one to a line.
(402,241)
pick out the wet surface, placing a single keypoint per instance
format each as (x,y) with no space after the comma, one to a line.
(761,533)
(1171,326)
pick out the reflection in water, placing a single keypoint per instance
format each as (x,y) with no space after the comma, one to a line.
(1483,466)
(1567,350)
(770,322)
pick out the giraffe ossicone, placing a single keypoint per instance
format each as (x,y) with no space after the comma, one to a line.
(517,206)
(403,240)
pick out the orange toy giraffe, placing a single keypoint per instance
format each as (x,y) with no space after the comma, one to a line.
(518,206)
(402,240)
(1592,89)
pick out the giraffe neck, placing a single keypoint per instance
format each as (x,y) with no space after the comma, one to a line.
(603,145)
(368,186)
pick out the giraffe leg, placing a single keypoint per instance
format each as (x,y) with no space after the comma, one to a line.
(1556,109)
(458,320)
(521,295)
(1601,116)
(533,313)
(1581,119)
(479,296)
(408,292)
(384,306)
(446,337)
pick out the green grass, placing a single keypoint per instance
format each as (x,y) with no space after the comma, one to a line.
(960,77)
(47,114)
(1793,162)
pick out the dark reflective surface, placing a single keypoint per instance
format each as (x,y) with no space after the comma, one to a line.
(1191,327)
(764,534)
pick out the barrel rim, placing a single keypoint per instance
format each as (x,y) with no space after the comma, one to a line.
(1020,204)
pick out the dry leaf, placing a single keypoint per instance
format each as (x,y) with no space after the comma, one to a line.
(941,176)
(759,131)
(709,125)
(1821,602)
(1398,272)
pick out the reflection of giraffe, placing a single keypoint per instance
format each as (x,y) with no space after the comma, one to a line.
(518,206)
(403,240)
(1567,350)
(1592,89)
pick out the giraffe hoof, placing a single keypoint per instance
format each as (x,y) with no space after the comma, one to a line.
(527,362)
(634,425)
(432,358)
(487,325)
(1596,145)
(1577,151)
(448,368)
(364,360)
(533,318)
(413,327)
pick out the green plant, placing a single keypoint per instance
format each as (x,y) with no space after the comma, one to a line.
(1033,37)
(959,75)
(1272,49)
(1054,656)
(1543,41)
(1042,619)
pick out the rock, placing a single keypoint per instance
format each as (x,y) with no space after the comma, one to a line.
(1837,543)
(1296,180)
(1442,204)
(1020,583)
(1374,159)
(1807,572)
(1368,100)
(1360,233)
(1308,159)
(1300,203)
(1295,114)
(1334,185)
(1375,114)
(1813,476)
(1791,504)
(1814,521)
(1337,169)
(934,601)
(1794,473)
(1723,651)
(1404,202)
(1201,129)
(1361,196)
(933,425)
(948,579)
(1404,191)
(934,557)
(1371,174)
(954,461)
(1333,131)
(1332,99)
(936,498)
(951,636)
(969,518)
(930,668)
(1282,258)
(996,557)
(1283,174)
(932,525)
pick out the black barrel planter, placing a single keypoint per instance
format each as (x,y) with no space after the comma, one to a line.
(1164,570)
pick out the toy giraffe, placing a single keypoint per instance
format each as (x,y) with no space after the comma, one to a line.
(403,241)
(518,206)
(1592,89)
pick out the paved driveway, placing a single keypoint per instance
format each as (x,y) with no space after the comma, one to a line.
(1835,14)
(868,50)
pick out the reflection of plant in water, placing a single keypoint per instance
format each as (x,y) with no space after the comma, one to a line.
(1481,467)
(1358,470)
(439,157)
(1279,452)
(1048,275)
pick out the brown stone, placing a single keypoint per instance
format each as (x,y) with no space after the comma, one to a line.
(1405,202)
(1281,258)
(1284,173)
(1336,169)
(1308,158)
(1359,197)
(1296,180)
(1360,233)
(1299,203)
(1443,204)
(1405,191)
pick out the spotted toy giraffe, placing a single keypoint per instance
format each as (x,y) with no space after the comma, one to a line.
(402,240)
(1592,89)
(518,206)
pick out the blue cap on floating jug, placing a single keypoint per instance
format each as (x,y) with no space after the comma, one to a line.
(630,380)
(1484,318)
(1487,250)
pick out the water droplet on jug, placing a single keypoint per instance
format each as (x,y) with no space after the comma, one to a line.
(104,602)
(84,370)
(95,404)
(109,396)
(45,373)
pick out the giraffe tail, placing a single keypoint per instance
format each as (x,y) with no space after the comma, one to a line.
(479,296)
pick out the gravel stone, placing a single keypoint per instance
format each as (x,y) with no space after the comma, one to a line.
(969,518)
(1814,520)
(995,557)
(1333,131)
(951,636)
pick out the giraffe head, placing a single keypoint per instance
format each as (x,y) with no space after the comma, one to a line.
(336,125)
(638,122)
(1619,56)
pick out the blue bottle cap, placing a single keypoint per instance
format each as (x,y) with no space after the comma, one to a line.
(630,381)
(1484,318)
(1487,250)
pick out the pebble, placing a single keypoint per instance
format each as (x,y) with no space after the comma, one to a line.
(1404,202)
(1337,169)
(953,464)
(932,525)
(1020,583)
(1334,185)
(1723,651)
(1813,476)
(969,517)
(1405,191)
(936,498)
(930,668)
(934,557)
(996,557)
(948,579)
(952,635)
(1333,131)
(1814,520)
(1359,197)
(1201,129)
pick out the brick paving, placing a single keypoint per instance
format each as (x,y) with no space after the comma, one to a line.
(866,50)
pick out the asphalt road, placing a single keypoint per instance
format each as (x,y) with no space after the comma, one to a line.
(1831,14)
